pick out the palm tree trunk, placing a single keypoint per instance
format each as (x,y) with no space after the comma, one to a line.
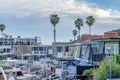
(1,34)
(55,52)
(54,34)
(89,30)
(79,32)
(74,37)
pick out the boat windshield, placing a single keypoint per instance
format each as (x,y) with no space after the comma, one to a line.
(19,73)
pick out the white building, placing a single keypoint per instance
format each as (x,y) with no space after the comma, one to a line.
(64,49)
(40,51)
(17,46)
(20,41)
(5,50)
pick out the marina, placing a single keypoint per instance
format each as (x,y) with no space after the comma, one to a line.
(67,62)
(59,40)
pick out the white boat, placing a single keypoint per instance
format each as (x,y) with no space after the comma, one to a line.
(14,74)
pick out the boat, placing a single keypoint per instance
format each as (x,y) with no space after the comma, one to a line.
(8,73)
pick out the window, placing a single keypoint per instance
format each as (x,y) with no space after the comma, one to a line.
(32,48)
(4,50)
(59,49)
(35,48)
(19,73)
(41,48)
(66,49)
(7,50)
(44,48)
(114,47)
(85,50)
(95,49)
(41,52)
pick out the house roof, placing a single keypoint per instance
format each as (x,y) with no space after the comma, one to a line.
(107,39)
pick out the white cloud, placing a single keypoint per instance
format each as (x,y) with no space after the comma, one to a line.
(50,40)
(43,8)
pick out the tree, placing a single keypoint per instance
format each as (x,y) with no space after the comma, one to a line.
(54,19)
(103,72)
(117,30)
(18,36)
(74,32)
(2,28)
(7,36)
(10,36)
(90,21)
(79,24)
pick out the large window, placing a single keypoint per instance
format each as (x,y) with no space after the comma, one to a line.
(114,47)
(85,49)
(59,49)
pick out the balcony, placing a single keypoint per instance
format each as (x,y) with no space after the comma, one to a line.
(65,55)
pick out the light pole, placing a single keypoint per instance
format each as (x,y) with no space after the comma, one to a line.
(110,50)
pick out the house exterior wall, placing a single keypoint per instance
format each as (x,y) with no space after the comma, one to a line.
(110,34)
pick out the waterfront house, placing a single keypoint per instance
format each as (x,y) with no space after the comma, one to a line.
(89,54)
(114,43)
(40,51)
(15,46)
(64,49)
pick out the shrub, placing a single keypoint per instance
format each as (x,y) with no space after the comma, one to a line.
(102,73)
(118,58)
(88,72)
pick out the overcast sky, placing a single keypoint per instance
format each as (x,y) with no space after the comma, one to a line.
(30,18)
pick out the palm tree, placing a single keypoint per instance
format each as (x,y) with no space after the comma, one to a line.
(90,21)
(54,19)
(6,35)
(2,28)
(74,32)
(79,24)
(10,36)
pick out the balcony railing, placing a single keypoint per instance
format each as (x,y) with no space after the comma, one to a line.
(65,54)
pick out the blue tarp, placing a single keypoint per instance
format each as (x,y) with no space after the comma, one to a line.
(6,54)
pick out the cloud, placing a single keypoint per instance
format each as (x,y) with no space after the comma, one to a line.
(43,8)
(50,40)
